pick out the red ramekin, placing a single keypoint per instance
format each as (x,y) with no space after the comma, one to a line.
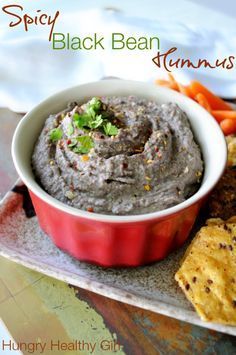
(109,240)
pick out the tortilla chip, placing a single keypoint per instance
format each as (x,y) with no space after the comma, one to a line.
(231,142)
(207,275)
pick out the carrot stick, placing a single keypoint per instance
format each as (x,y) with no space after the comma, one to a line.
(202,100)
(166,83)
(173,86)
(228,126)
(179,87)
(162,82)
(215,102)
(173,82)
(220,115)
(184,90)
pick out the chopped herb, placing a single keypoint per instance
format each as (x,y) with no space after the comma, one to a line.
(85,144)
(81,121)
(110,129)
(97,122)
(55,134)
(79,150)
(70,129)
(86,141)
(95,103)
(73,143)
(93,107)
(92,119)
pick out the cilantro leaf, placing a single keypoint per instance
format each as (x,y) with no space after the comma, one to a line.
(55,134)
(91,112)
(92,118)
(93,107)
(76,116)
(86,141)
(110,129)
(85,144)
(95,103)
(82,120)
(70,129)
(97,122)
(80,150)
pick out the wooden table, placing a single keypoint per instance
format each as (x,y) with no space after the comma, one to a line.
(36,308)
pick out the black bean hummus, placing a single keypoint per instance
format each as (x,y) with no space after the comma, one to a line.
(118,155)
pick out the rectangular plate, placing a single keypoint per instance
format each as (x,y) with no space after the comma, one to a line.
(150,287)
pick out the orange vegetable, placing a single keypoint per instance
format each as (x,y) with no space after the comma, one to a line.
(201,99)
(215,102)
(228,126)
(162,82)
(173,82)
(165,83)
(184,90)
(220,115)
(221,110)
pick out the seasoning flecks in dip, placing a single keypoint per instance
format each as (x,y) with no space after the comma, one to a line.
(118,155)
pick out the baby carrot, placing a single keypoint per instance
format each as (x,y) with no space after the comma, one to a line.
(220,115)
(183,90)
(164,83)
(202,100)
(173,82)
(215,102)
(228,126)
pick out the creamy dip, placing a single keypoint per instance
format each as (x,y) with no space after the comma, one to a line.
(136,157)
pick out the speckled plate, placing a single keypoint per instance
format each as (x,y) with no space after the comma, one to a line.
(151,287)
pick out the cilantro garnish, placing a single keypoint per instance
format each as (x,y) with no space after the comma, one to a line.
(81,121)
(92,118)
(110,129)
(70,129)
(97,122)
(83,145)
(55,134)
(96,103)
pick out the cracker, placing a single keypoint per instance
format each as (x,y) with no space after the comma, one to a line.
(207,275)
